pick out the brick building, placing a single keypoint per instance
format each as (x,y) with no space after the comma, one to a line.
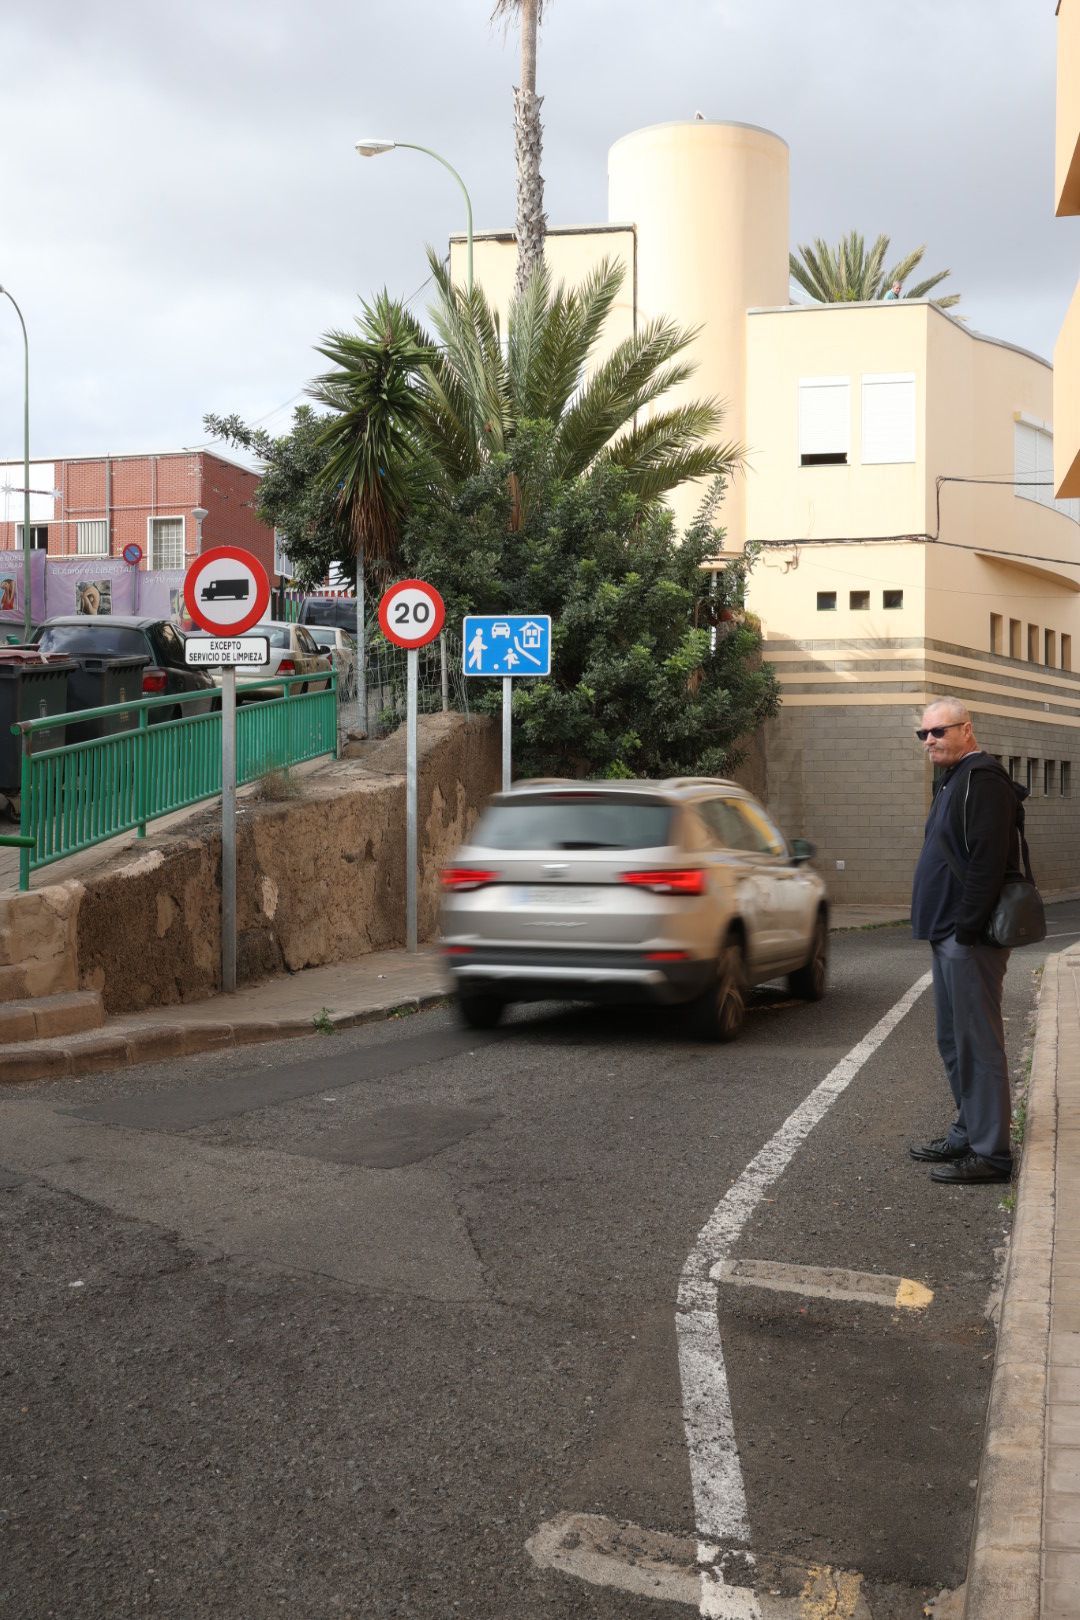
(93,506)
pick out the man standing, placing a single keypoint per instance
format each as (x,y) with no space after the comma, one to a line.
(969,835)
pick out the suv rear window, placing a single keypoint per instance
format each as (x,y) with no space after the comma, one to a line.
(575,823)
(335,610)
(102,639)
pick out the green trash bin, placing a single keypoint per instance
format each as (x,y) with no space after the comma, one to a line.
(30,689)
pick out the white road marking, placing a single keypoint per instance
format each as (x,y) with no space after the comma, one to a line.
(825,1282)
(715,1468)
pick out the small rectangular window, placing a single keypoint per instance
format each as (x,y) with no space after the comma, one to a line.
(1033,644)
(1015,632)
(1066,652)
(166,542)
(859,601)
(892,599)
(997,627)
(1065,779)
(1014,767)
(39,536)
(1033,776)
(824,421)
(1049,649)
(92,538)
(1049,776)
(826,601)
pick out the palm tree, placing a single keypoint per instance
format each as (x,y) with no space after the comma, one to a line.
(479,388)
(850,274)
(531,224)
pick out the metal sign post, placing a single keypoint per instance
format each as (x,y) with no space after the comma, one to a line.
(512,645)
(411,614)
(227,591)
(228,829)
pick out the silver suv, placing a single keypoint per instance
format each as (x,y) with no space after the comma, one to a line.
(674,892)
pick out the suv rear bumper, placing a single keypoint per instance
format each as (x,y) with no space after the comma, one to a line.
(602,976)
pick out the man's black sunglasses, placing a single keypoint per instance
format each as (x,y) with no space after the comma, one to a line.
(938,731)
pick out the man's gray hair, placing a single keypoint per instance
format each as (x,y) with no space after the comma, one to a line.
(957,711)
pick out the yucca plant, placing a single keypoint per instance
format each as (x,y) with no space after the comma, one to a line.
(849,273)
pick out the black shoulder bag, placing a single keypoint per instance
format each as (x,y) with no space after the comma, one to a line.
(1018,917)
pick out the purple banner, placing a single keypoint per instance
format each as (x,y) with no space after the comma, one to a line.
(11,586)
(159,593)
(94,585)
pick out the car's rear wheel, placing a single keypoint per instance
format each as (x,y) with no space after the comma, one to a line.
(810,981)
(480,1012)
(720,1012)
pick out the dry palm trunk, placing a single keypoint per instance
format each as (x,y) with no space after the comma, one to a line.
(528,142)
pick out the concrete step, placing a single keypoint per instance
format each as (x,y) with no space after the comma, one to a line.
(47,1017)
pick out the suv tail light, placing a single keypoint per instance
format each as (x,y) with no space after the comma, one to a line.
(154,681)
(690,881)
(286,667)
(466,877)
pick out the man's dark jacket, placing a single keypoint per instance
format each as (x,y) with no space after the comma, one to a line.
(941,903)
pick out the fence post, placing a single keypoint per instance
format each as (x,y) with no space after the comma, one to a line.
(26,810)
(142,742)
(444,672)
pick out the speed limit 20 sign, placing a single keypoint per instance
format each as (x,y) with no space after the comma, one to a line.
(411,613)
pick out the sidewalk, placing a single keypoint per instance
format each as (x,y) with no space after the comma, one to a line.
(1025,1558)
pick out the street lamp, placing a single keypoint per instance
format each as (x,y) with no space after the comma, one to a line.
(26,469)
(200,514)
(373,147)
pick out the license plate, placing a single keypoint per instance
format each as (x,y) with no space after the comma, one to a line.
(563,898)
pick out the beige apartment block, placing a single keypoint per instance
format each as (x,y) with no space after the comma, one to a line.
(1067,192)
(898,499)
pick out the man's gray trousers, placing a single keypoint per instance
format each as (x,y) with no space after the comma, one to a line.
(968,981)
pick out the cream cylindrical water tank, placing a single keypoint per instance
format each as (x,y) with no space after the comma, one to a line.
(710,205)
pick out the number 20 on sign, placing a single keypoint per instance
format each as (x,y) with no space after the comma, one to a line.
(411,614)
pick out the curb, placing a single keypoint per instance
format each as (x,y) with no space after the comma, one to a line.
(1005,1567)
(125,1044)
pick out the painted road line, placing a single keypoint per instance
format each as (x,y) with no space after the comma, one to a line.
(825,1282)
(675,1569)
(715,1467)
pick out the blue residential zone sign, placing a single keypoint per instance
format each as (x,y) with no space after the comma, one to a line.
(507,644)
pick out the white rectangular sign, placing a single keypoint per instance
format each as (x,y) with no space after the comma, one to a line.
(237,651)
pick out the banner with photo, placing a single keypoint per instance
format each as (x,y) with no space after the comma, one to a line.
(12,564)
(159,593)
(94,585)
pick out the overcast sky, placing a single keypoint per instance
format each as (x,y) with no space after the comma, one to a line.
(183,213)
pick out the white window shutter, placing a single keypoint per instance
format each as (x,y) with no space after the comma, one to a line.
(824,416)
(1026,459)
(888,418)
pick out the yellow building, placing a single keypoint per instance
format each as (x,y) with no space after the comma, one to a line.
(1067,192)
(898,498)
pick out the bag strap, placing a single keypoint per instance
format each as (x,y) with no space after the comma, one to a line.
(954,865)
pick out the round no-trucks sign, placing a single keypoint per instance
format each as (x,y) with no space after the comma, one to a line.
(411,613)
(227,590)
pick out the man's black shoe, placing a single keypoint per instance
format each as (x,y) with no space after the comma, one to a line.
(939,1151)
(969,1171)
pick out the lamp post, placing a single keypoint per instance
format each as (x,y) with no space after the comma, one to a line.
(26,469)
(200,514)
(374,146)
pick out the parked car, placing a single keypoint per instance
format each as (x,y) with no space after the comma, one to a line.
(120,635)
(340,647)
(292,652)
(338,611)
(677,892)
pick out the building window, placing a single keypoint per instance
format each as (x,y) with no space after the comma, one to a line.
(1065,779)
(1015,628)
(1049,773)
(166,542)
(859,601)
(826,601)
(1049,649)
(39,536)
(997,627)
(1033,644)
(824,421)
(1033,469)
(888,418)
(1033,776)
(92,538)
(1014,767)
(1066,652)
(892,599)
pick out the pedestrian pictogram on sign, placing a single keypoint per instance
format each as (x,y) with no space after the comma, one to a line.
(508,644)
(227,590)
(411,613)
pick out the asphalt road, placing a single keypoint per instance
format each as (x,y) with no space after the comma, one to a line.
(336,1328)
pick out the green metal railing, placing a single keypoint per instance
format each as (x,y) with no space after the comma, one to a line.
(78,795)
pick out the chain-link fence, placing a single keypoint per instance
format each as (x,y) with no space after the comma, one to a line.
(376,704)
